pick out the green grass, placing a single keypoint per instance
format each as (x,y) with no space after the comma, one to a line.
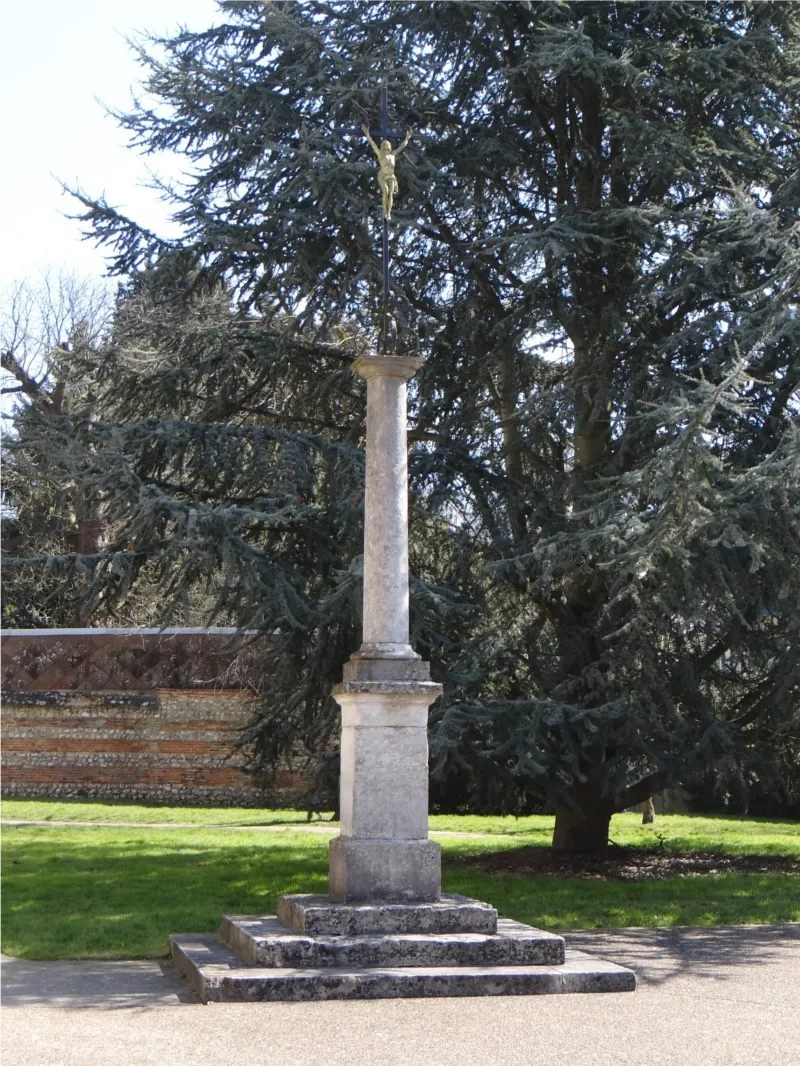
(117,892)
(96,811)
(675,832)
(731,834)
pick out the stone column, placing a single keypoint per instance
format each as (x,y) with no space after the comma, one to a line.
(386,507)
(383,853)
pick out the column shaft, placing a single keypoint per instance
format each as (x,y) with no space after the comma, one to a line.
(385,631)
(386,515)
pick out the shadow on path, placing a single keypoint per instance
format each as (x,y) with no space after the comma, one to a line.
(110,985)
(661,955)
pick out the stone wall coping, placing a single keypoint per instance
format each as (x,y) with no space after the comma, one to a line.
(170,631)
(111,660)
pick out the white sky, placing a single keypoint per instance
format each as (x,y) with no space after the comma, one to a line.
(61,61)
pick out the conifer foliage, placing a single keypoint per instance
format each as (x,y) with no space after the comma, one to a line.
(595,248)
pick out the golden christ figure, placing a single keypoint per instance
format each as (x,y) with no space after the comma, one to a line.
(387,157)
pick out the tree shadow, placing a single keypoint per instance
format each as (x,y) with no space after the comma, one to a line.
(121,898)
(659,956)
(106,985)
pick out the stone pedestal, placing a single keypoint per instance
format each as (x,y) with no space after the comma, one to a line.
(383,853)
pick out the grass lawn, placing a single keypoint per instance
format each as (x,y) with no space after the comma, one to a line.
(676,832)
(118,891)
(97,811)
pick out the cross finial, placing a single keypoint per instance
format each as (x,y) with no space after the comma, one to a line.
(387,180)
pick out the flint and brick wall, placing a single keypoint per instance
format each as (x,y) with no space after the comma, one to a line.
(160,745)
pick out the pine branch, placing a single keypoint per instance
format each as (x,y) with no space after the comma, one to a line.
(641,791)
(718,649)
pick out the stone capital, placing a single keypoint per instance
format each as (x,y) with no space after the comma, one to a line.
(386,366)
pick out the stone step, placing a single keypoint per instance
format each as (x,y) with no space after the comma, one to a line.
(316,915)
(265,941)
(217,975)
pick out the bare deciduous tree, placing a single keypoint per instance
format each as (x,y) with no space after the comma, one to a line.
(50,331)
(39,321)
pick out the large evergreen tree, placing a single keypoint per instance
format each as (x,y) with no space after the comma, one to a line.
(596,250)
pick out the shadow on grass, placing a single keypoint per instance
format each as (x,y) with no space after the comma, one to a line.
(118,893)
(121,898)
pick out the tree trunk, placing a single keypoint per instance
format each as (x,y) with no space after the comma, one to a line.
(586,830)
(86,541)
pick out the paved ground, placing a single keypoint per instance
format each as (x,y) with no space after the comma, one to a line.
(716,997)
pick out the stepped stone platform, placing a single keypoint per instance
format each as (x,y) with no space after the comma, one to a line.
(315,949)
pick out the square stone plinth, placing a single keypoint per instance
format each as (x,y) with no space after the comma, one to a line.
(317,915)
(384,759)
(386,871)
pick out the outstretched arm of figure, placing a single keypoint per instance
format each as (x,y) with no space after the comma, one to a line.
(400,147)
(375,148)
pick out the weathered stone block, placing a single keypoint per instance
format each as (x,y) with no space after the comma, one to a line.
(267,942)
(317,915)
(388,871)
(217,974)
(378,766)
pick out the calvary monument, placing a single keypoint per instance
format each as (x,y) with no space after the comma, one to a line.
(385,928)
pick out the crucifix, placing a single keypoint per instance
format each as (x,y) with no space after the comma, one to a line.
(387,180)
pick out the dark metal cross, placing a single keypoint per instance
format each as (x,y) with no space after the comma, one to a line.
(388,327)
